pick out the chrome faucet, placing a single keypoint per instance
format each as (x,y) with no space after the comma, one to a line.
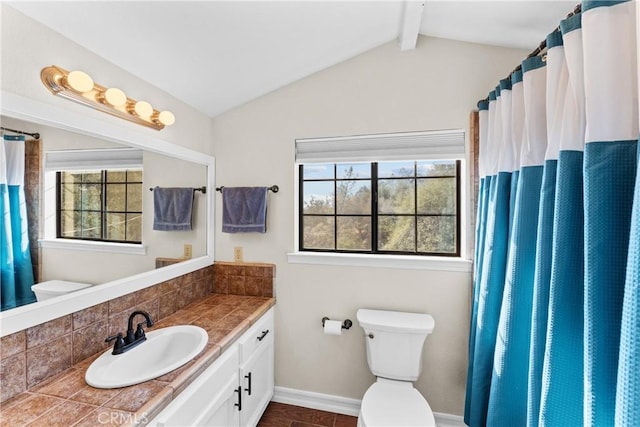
(132,338)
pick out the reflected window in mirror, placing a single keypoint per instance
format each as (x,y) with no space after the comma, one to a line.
(100,205)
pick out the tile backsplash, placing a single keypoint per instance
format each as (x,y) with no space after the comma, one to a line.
(29,357)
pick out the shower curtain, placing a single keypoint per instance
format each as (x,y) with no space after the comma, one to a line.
(15,260)
(555,322)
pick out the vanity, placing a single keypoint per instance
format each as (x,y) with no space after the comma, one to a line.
(229,383)
(235,389)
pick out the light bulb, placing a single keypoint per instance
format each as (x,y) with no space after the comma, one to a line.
(143,109)
(80,81)
(115,97)
(166,118)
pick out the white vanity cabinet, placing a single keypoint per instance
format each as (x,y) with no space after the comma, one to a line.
(256,369)
(235,390)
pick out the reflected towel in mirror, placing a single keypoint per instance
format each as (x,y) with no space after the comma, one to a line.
(244,209)
(172,208)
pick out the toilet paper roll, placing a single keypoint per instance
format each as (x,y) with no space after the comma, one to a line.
(332,327)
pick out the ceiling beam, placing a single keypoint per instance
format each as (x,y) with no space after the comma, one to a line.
(410,24)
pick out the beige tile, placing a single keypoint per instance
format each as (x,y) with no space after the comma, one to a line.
(123,303)
(184,296)
(93,396)
(118,323)
(147,294)
(13,344)
(47,360)
(48,331)
(63,385)
(106,417)
(28,409)
(167,304)
(151,307)
(63,415)
(220,285)
(84,364)
(131,399)
(89,340)
(232,321)
(236,284)
(13,376)
(169,286)
(90,315)
(253,286)
(153,406)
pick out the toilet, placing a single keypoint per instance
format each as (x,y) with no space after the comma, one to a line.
(55,288)
(394,353)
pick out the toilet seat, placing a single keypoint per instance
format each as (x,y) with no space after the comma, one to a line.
(394,403)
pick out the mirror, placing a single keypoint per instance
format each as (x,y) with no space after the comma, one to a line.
(94,262)
(114,274)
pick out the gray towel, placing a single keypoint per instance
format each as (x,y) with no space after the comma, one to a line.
(172,208)
(244,209)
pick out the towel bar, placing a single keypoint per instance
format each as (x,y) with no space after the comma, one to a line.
(273,188)
(203,189)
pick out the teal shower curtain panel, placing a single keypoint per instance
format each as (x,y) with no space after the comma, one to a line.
(555,322)
(15,262)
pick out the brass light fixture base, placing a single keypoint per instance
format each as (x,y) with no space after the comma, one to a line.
(55,79)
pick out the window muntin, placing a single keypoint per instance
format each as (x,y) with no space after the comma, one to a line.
(397,207)
(102,205)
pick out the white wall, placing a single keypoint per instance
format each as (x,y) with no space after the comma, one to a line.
(27,47)
(384,90)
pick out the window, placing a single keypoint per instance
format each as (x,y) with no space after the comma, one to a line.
(394,207)
(103,205)
(393,194)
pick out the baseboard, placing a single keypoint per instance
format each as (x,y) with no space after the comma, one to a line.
(323,402)
(343,405)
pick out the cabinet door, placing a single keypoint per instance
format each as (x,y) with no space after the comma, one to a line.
(209,400)
(256,380)
(224,411)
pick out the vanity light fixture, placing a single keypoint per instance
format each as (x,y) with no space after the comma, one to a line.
(78,86)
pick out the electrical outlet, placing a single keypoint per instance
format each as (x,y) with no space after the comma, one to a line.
(237,254)
(187,252)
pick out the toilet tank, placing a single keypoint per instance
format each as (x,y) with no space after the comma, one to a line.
(394,342)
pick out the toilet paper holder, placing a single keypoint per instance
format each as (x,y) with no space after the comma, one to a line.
(345,325)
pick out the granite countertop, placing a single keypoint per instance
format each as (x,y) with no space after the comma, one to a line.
(67,400)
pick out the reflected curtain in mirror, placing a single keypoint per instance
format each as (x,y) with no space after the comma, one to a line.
(17,270)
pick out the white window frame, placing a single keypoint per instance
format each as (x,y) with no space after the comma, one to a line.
(95,159)
(428,145)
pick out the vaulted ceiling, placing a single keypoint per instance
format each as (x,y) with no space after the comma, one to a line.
(217,55)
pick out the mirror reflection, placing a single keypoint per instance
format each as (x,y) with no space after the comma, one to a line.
(88,212)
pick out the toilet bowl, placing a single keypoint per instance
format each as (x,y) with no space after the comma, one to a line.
(55,288)
(394,403)
(394,342)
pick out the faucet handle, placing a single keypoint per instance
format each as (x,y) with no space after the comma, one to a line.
(139,331)
(119,342)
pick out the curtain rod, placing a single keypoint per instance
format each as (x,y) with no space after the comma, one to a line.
(34,135)
(542,46)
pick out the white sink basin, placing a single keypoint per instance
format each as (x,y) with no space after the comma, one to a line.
(164,350)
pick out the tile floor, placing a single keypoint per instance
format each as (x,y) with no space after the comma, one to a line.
(281,415)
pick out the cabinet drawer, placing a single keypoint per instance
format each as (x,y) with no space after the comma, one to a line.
(256,336)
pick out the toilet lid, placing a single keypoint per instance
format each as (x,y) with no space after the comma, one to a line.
(389,405)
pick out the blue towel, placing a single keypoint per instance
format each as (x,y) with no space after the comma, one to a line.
(244,210)
(172,208)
